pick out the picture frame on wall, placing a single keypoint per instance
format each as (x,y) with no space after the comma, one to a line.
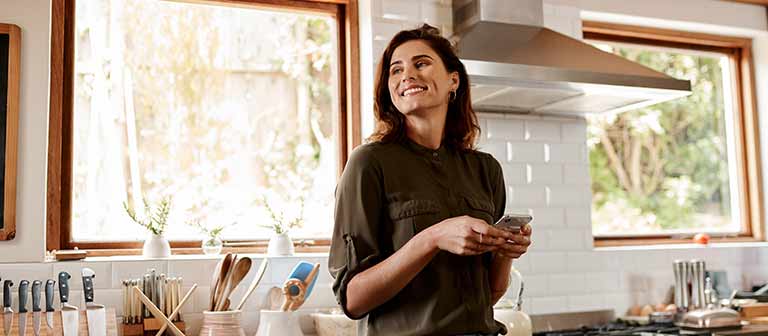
(10,70)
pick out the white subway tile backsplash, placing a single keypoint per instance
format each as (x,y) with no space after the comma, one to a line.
(197,271)
(536,285)
(574,132)
(498,149)
(436,14)
(602,282)
(505,129)
(514,173)
(527,152)
(400,10)
(567,284)
(523,196)
(566,240)
(577,174)
(549,174)
(384,31)
(567,153)
(547,262)
(547,217)
(549,305)
(568,196)
(578,218)
(542,131)
(579,303)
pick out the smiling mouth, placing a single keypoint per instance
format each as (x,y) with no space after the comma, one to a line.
(413,91)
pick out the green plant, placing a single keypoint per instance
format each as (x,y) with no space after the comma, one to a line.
(157,220)
(280,224)
(213,232)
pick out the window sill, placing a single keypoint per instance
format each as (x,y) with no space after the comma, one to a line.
(689,246)
(182,257)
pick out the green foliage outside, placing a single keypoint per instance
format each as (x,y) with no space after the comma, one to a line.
(663,167)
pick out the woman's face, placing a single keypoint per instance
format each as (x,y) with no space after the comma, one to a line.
(418,80)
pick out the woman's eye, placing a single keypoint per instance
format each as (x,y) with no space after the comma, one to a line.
(396,70)
(421,64)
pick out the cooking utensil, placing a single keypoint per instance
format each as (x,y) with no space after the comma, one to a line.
(238,273)
(69,314)
(299,284)
(96,314)
(23,293)
(36,310)
(7,310)
(177,309)
(221,282)
(254,283)
(49,303)
(156,312)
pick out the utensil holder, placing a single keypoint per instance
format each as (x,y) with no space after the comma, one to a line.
(222,323)
(278,323)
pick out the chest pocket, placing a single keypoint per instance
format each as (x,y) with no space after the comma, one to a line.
(410,217)
(480,209)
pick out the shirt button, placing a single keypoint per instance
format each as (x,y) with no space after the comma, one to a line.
(434,154)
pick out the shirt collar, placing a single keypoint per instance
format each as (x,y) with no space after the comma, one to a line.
(425,151)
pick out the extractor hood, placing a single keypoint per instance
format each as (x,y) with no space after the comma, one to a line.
(516,65)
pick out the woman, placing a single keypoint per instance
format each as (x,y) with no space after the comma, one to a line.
(413,248)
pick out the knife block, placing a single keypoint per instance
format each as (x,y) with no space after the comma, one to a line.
(57,328)
(150,326)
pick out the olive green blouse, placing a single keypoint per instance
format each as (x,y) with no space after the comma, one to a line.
(388,193)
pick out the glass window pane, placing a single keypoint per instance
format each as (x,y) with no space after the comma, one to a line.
(668,168)
(221,108)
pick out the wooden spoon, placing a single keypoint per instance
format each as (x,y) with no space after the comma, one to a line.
(220,280)
(238,273)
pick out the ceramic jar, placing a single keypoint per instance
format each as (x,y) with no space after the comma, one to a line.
(280,245)
(156,246)
(222,323)
(278,323)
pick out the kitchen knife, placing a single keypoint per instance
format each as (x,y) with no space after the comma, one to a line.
(36,311)
(69,313)
(97,320)
(7,310)
(49,303)
(23,294)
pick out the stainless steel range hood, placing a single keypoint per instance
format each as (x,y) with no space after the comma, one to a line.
(516,65)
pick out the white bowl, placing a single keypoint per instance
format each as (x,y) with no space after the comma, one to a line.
(327,324)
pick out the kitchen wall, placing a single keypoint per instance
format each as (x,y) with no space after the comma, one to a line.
(544,161)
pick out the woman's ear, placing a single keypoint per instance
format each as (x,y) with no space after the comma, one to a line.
(455,80)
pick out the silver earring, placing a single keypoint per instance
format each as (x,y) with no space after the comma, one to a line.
(452,96)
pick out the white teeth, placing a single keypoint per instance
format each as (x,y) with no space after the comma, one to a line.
(412,91)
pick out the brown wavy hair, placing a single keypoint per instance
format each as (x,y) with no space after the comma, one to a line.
(461,127)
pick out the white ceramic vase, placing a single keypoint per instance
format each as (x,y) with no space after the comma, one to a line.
(280,245)
(278,323)
(156,246)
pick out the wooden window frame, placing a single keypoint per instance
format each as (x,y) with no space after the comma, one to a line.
(60,123)
(746,119)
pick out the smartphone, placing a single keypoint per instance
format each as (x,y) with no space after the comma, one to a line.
(513,222)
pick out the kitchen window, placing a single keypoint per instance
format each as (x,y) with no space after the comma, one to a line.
(229,108)
(663,173)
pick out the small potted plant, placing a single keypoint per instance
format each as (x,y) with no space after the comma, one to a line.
(212,243)
(280,244)
(156,245)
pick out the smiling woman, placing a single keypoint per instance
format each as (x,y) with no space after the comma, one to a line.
(415,205)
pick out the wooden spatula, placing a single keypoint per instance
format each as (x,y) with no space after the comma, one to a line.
(237,274)
(221,280)
(254,283)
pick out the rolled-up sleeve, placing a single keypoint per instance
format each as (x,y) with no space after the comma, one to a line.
(355,244)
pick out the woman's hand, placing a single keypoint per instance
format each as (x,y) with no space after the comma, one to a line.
(518,245)
(467,235)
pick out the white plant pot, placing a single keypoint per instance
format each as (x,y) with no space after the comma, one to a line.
(280,245)
(156,246)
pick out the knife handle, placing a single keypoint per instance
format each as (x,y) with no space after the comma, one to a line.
(7,293)
(49,295)
(64,287)
(88,284)
(36,295)
(23,289)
